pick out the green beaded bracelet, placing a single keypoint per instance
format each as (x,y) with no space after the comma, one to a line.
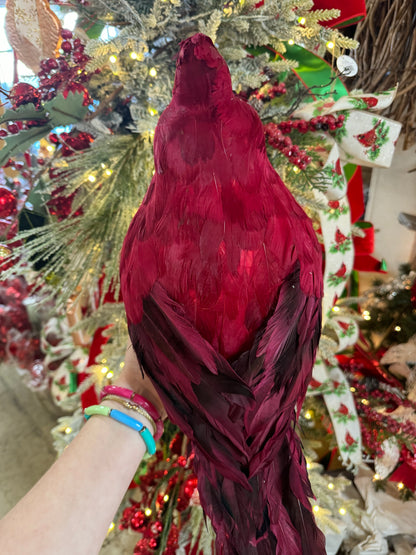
(124,419)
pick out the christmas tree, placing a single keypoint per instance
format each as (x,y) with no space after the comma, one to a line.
(76,156)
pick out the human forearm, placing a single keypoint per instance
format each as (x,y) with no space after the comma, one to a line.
(69,510)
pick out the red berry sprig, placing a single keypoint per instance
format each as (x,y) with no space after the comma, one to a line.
(319,123)
(276,89)
(297,156)
(67,72)
(293,153)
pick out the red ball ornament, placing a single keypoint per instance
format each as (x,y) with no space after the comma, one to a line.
(8,203)
(23,93)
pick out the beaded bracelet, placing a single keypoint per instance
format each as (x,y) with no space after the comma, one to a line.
(131,406)
(126,420)
(137,400)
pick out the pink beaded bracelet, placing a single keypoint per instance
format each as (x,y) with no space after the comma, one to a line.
(137,400)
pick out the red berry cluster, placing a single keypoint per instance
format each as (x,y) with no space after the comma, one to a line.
(59,204)
(14,128)
(67,72)
(178,489)
(276,139)
(276,89)
(319,123)
(387,397)
(293,153)
(72,142)
(23,93)
(376,426)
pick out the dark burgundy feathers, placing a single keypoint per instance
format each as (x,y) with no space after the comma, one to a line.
(221,279)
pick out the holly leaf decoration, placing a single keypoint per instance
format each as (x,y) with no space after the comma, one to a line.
(63,111)
(15,144)
(23,113)
(57,112)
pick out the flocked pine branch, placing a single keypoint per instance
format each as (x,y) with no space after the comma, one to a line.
(110,179)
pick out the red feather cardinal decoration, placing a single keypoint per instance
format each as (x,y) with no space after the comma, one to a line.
(220,274)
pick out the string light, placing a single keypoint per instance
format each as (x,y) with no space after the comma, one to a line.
(400,485)
(110,374)
(331,485)
(296,169)
(152,111)
(148,511)
(166,498)
(365,401)
(366,315)
(103,165)
(121,364)
(50,148)
(330,45)
(308,415)
(397,328)
(308,466)
(152,72)
(335,309)
(352,389)
(291,41)
(68,430)
(111,527)
(92,178)
(4,251)
(376,477)
(108,172)
(315,508)
(133,55)
(301,20)
(104,370)
(342,511)
(113,59)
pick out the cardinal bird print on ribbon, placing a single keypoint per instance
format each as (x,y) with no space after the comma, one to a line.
(221,280)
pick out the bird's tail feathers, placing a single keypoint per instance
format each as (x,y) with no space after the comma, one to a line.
(274,518)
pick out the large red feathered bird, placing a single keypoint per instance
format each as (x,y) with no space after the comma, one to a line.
(221,278)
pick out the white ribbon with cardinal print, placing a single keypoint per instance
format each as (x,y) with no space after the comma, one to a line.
(367,140)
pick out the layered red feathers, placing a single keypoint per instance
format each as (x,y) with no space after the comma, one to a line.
(221,278)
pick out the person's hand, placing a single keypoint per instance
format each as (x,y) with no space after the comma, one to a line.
(131,377)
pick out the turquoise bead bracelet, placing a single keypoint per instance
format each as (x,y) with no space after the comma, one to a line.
(126,420)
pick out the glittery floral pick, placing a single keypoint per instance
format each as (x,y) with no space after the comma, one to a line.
(33,31)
